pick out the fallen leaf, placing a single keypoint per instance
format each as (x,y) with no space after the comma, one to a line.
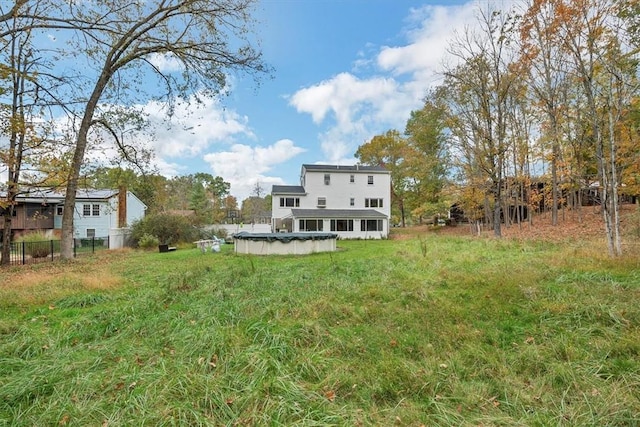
(330,395)
(393,343)
(64,420)
(530,340)
(213,362)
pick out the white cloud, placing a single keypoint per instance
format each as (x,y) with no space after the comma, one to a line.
(194,128)
(351,110)
(165,62)
(192,131)
(428,40)
(243,165)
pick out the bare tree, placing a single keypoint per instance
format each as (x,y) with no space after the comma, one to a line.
(207,38)
(23,119)
(479,91)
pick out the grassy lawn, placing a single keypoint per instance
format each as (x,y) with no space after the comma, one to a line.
(433,331)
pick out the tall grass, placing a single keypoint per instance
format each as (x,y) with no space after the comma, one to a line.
(434,331)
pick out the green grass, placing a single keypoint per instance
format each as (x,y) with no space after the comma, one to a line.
(436,331)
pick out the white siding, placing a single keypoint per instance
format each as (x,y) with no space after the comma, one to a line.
(338,194)
(108,217)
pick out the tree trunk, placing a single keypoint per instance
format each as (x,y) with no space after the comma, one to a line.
(67,238)
(6,236)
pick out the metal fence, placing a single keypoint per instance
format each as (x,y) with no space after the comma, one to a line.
(34,252)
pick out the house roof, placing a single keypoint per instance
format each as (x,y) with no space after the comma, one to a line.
(345,168)
(288,189)
(337,213)
(39,195)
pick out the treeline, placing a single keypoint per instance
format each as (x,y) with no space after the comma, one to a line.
(537,107)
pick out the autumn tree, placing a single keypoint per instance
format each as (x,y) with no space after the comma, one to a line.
(390,150)
(24,120)
(593,40)
(477,93)
(544,64)
(427,164)
(256,206)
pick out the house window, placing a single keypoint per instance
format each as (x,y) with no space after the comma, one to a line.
(341,225)
(373,203)
(352,202)
(290,202)
(352,178)
(322,202)
(327,179)
(91,233)
(311,224)
(89,210)
(59,210)
(371,225)
(370,179)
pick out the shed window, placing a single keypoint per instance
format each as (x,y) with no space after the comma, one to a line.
(327,179)
(370,179)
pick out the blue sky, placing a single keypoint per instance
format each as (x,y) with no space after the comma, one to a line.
(344,71)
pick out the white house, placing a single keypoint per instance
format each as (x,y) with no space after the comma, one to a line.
(96,211)
(352,201)
(99,211)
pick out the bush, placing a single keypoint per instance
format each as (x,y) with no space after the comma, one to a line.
(36,245)
(147,241)
(168,229)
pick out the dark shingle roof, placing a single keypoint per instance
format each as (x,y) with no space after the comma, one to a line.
(337,213)
(287,189)
(344,168)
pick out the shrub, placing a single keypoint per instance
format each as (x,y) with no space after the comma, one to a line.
(168,229)
(36,245)
(220,233)
(147,241)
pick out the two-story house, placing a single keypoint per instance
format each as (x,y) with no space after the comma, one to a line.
(352,201)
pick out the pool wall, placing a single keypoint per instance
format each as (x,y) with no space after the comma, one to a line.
(284,243)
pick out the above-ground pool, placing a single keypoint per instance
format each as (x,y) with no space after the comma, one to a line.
(284,243)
